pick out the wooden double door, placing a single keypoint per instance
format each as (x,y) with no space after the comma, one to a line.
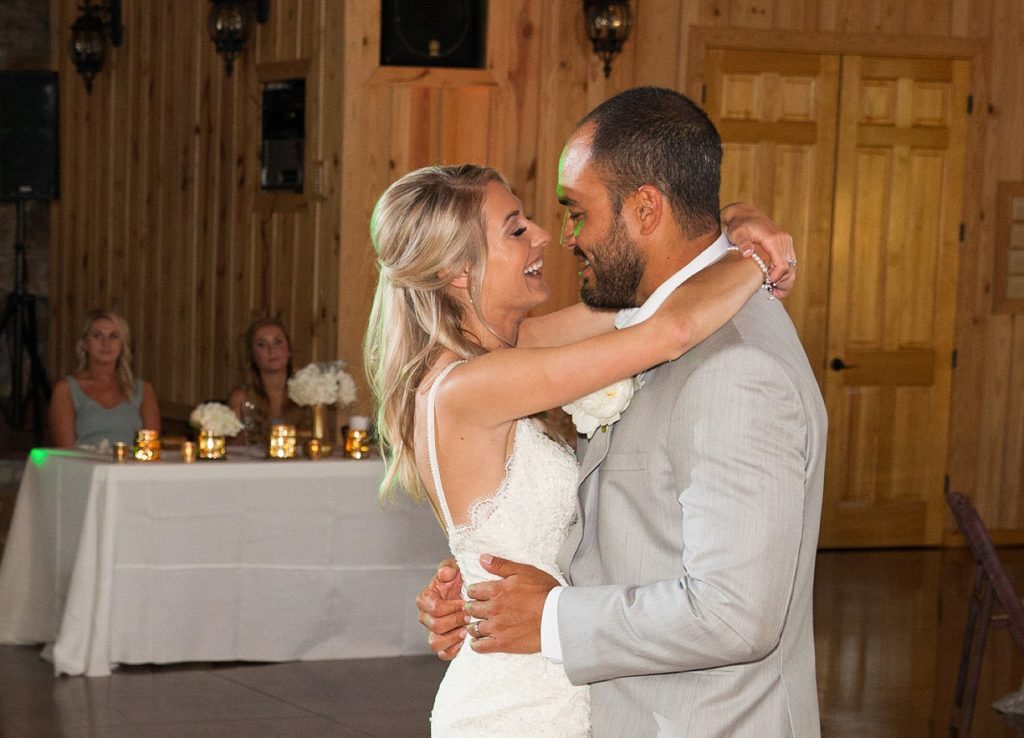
(862,160)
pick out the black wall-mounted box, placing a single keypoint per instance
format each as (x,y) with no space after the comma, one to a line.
(283,134)
(433,33)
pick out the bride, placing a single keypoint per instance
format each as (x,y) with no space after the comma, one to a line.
(459,374)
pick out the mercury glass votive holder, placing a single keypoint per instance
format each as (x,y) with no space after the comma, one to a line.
(147,445)
(357,443)
(357,437)
(281,444)
(211,446)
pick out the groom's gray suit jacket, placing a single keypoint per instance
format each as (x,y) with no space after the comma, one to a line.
(692,563)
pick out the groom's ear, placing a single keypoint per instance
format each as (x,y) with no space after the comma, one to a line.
(647,208)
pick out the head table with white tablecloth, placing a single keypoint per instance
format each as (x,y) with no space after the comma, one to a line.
(236,560)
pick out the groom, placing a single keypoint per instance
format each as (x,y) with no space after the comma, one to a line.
(691,566)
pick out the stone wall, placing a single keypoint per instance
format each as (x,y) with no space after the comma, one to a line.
(25,44)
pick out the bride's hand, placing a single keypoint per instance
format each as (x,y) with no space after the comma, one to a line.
(441,611)
(749,228)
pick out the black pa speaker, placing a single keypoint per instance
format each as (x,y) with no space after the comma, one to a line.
(28,136)
(433,33)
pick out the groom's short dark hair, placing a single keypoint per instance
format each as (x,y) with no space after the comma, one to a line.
(653,135)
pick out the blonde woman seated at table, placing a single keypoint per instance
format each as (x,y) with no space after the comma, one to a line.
(263,398)
(102,401)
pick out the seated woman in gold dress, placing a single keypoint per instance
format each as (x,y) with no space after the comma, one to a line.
(263,399)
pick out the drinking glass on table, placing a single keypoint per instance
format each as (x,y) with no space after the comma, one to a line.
(249,422)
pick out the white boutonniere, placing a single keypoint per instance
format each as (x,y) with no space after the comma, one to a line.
(604,407)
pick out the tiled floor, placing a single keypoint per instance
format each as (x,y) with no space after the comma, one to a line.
(888,626)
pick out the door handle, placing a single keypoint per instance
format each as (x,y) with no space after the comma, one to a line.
(838,365)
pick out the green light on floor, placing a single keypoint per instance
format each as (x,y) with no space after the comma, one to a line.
(38,456)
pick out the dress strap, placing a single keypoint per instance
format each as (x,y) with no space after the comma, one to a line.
(432,446)
(137,390)
(78,396)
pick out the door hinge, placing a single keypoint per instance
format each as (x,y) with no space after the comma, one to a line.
(963,232)
(945,485)
(954,359)
(970,104)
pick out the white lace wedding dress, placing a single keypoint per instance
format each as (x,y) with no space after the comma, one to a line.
(525,520)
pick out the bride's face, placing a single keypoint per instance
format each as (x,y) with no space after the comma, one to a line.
(513,284)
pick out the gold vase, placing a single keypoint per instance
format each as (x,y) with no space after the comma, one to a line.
(318,421)
(210,446)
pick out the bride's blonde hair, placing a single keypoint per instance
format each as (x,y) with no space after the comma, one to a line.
(427,228)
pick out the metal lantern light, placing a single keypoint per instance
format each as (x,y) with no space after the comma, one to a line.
(88,45)
(608,25)
(230,24)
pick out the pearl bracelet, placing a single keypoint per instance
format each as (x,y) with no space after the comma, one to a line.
(767,285)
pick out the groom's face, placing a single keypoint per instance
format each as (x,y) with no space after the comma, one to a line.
(611,262)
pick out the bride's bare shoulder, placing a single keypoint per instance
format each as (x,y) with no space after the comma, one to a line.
(443,361)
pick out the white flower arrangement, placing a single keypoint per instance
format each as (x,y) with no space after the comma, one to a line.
(215,418)
(602,408)
(324,383)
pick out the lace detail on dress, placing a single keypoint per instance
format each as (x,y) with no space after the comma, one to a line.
(526,519)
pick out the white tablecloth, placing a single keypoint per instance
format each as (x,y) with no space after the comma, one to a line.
(233,560)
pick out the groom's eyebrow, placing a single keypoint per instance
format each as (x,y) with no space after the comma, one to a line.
(567,201)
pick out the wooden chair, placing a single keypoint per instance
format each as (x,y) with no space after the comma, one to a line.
(991,588)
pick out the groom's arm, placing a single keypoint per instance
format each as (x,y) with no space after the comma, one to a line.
(742,498)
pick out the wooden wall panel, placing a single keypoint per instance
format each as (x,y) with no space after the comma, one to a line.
(159,215)
(987,444)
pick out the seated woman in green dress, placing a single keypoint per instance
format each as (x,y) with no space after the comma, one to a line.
(102,400)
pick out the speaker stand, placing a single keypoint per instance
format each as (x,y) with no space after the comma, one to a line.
(19,320)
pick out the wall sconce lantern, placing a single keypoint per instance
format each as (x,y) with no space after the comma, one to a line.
(230,22)
(88,45)
(608,25)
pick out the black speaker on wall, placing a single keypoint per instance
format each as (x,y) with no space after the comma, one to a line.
(28,136)
(433,33)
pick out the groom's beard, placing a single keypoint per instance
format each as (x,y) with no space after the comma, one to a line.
(617,272)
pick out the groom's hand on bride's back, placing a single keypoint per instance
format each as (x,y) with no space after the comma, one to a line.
(442,610)
(509,609)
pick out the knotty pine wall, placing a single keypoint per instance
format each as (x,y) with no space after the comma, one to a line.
(160,216)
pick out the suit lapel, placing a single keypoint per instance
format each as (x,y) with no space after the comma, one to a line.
(592,453)
(597,449)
